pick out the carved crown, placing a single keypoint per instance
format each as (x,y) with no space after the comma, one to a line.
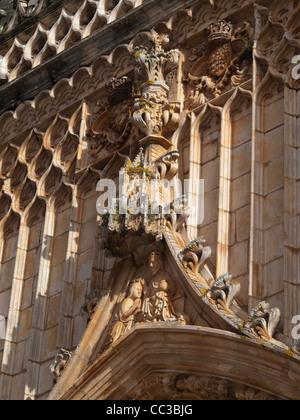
(119,90)
(221,30)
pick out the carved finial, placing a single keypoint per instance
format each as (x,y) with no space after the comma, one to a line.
(152,110)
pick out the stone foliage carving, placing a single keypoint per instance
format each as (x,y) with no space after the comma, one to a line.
(223,292)
(264,320)
(225,63)
(195,256)
(194,387)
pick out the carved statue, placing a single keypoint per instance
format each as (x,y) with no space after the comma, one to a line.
(128,311)
(158,304)
(156,307)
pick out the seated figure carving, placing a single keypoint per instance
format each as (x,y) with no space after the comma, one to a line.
(158,304)
(128,311)
(146,304)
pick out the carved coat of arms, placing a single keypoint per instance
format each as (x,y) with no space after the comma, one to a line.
(226,62)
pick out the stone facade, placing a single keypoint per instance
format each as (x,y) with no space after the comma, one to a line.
(159,90)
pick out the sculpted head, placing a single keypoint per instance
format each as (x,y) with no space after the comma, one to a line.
(155,262)
(136,288)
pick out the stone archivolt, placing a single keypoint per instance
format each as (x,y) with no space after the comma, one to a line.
(158,275)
